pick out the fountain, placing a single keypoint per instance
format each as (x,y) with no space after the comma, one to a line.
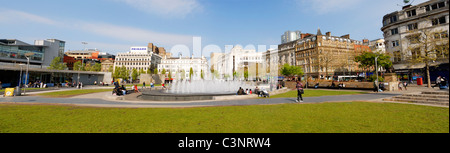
(196,90)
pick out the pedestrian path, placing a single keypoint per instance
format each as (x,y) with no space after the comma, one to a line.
(98,99)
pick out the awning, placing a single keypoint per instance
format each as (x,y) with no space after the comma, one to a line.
(408,66)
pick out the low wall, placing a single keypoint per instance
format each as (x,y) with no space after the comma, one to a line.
(389,86)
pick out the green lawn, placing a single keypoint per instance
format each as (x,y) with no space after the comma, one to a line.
(347,117)
(68,93)
(316,93)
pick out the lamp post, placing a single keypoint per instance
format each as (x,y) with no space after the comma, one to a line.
(27,55)
(84,45)
(20,79)
(376,71)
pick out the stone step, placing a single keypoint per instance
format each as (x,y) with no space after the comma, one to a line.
(435,93)
(422,98)
(427,95)
(417,101)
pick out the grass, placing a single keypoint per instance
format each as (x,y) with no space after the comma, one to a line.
(68,93)
(316,93)
(345,117)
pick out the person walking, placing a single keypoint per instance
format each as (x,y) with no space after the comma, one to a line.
(405,84)
(300,91)
(143,85)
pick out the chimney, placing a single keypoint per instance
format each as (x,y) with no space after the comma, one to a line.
(328,33)
(365,40)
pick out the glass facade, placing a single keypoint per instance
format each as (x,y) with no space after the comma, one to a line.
(18,52)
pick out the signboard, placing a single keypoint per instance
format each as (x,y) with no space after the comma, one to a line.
(9,92)
(138,49)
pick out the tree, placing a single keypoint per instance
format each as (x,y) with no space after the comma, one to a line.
(191,72)
(326,60)
(426,46)
(56,64)
(201,74)
(134,74)
(141,71)
(77,66)
(163,71)
(116,73)
(93,67)
(110,69)
(367,60)
(290,71)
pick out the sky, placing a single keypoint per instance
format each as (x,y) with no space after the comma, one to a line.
(114,26)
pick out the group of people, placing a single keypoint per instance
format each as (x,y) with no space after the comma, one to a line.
(260,92)
(119,90)
(402,85)
(441,82)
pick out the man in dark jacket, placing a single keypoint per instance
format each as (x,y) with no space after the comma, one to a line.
(300,91)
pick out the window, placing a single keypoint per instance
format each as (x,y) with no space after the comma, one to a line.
(395,43)
(434,6)
(437,21)
(394,31)
(411,13)
(412,26)
(393,19)
(397,56)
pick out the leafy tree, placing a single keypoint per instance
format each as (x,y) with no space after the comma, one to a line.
(201,74)
(110,69)
(141,71)
(56,64)
(367,60)
(191,72)
(77,66)
(163,72)
(134,74)
(290,71)
(116,73)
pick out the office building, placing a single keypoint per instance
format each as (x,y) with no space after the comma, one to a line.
(400,28)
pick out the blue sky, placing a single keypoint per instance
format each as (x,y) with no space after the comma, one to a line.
(115,25)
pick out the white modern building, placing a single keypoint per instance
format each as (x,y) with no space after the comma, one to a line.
(180,67)
(239,60)
(289,36)
(13,51)
(139,58)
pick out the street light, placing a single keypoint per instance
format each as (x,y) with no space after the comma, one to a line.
(84,45)
(27,55)
(20,79)
(376,71)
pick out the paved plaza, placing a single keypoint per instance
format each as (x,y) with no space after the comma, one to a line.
(100,100)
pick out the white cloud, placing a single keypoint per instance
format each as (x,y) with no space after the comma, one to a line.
(122,33)
(135,34)
(171,8)
(13,16)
